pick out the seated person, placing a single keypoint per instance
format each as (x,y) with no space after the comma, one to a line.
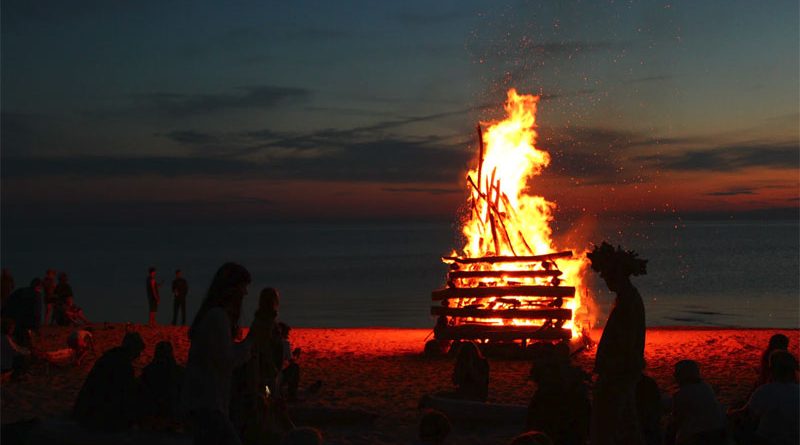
(67,313)
(434,427)
(776,342)
(471,374)
(649,409)
(697,416)
(81,342)
(109,399)
(161,383)
(772,415)
(13,358)
(560,406)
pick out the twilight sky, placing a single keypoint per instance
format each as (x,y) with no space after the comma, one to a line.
(220,111)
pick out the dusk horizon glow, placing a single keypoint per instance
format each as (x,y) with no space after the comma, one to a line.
(288,112)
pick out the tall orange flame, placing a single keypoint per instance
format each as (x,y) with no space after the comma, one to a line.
(507,220)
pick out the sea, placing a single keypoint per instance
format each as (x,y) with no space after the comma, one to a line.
(727,273)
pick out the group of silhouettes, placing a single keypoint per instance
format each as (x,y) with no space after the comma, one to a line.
(623,405)
(231,391)
(22,315)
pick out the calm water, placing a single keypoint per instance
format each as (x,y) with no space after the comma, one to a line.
(741,274)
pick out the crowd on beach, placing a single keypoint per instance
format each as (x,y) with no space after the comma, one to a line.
(238,383)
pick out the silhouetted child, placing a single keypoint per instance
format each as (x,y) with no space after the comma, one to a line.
(434,427)
(290,376)
(772,415)
(560,405)
(161,382)
(67,313)
(471,373)
(649,408)
(697,416)
(110,398)
(776,342)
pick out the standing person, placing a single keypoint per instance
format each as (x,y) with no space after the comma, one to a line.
(50,297)
(63,289)
(213,355)
(24,306)
(153,298)
(180,288)
(6,285)
(620,354)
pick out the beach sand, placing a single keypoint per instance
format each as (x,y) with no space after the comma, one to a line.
(382,371)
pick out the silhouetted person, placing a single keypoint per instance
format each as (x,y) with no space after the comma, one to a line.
(67,313)
(24,306)
(13,357)
(620,353)
(697,416)
(81,341)
(258,415)
(63,288)
(110,398)
(6,285)
(180,289)
(214,355)
(434,427)
(291,375)
(772,415)
(560,406)
(162,381)
(776,342)
(650,410)
(50,297)
(153,297)
(471,373)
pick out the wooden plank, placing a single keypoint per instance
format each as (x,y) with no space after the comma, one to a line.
(532,314)
(501,333)
(508,259)
(503,291)
(457,274)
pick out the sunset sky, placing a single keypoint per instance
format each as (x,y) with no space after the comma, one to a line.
(121,112)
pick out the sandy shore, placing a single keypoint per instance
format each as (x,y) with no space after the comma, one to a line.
(381,370)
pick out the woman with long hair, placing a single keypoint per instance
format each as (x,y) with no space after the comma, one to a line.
(214,355)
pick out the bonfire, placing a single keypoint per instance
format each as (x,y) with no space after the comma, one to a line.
(510,282)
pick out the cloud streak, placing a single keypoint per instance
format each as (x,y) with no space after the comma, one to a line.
(784,155)
(258,97)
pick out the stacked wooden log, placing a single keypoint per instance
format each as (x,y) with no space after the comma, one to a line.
(491,299)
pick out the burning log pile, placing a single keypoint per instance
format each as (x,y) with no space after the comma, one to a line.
(509,283)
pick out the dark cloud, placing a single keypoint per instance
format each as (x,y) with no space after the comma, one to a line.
(263,97)
(734,192)
(386,160)
(730,158)
(190,137)
(428,190)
